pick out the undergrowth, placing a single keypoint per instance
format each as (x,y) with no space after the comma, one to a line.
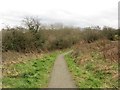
(30,74)
(93,73)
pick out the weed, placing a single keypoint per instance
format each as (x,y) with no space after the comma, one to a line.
(92,74)
(32,74)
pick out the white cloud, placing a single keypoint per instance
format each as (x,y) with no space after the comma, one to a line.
(74,12)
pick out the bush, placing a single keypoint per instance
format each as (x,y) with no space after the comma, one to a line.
(109,33)
(90,35)
(13,40)
(36,38)
(27,41)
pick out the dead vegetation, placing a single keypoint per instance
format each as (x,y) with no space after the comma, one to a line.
(107,48)
(19,43)
(12,57)
(100,58)
(95,49)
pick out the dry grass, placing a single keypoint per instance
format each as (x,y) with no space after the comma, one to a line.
(109,49)
(100,59)
(12,57)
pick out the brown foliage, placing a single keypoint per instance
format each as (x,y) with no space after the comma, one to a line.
(109,49)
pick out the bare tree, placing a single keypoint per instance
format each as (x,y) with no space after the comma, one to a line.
(32,23)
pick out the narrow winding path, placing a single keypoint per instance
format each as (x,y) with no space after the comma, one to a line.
(60,76)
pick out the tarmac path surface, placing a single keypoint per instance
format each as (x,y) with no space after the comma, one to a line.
(60,76)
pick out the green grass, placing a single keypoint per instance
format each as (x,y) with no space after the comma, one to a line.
(31,74)
(87,75)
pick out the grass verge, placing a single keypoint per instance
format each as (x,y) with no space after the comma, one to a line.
(30,74)
(91,74)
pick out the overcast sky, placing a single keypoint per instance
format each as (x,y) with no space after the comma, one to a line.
(80,13)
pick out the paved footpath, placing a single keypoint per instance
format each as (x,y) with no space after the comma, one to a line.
(60,76)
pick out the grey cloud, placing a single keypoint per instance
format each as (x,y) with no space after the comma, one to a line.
(61,16)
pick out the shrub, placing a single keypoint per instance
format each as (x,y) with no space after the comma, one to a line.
(35,38)
(109,33)
(27,41)
(13,40)
(90,35)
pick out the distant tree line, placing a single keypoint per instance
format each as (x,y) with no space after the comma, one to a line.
(34,37)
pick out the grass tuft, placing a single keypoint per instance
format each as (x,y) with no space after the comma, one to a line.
(91,74)
(31,74)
